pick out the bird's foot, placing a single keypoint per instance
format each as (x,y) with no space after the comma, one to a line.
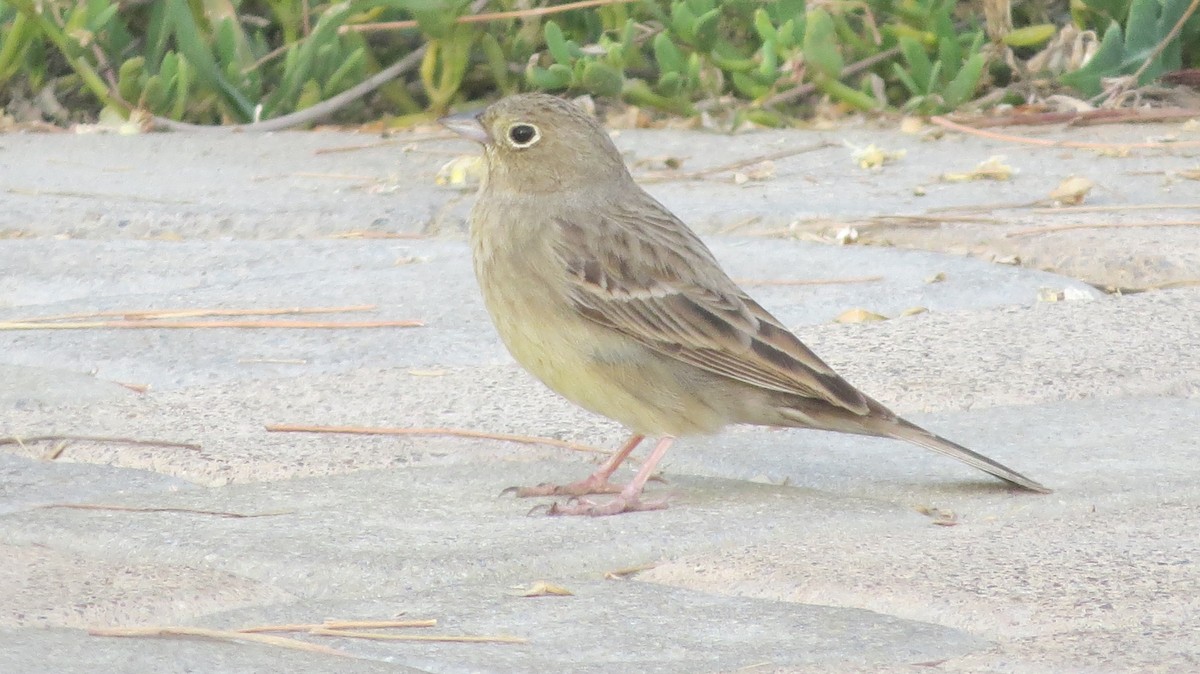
(619,504)
(593,484)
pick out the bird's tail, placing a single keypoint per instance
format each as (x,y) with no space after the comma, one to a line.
(881,422)
(903,430)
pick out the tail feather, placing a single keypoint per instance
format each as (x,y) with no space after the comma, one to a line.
(903,430)
(881,422)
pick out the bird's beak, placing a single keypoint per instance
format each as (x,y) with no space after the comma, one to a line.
(467,125)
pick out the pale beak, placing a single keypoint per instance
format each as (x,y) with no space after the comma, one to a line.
(467,125)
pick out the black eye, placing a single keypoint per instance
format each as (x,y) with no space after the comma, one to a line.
(523,135)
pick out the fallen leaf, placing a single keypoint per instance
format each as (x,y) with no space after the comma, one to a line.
(937,278)
(1071,191)
(542,589)
(1050,295)
(992,168)
(873,158)
(941,517)
(461,171)
(913,311)
(846,236)
(859,316)
(622,574)
(659,162)
(764,170)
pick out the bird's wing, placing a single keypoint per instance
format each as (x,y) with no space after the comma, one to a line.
(642,272)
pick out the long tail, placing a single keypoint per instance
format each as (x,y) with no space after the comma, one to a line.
(882,422)
(903,430)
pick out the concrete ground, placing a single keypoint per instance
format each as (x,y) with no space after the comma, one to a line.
(782,551)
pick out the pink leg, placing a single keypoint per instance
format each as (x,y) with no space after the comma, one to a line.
(629,499)
(596,483)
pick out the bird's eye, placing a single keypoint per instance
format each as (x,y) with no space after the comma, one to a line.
(523,135)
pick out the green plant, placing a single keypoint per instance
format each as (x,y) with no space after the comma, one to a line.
(1134,48)
(223,61)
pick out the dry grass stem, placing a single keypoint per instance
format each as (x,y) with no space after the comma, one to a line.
(220,635)
(456,432)
(366,234)
(621,574)
(662,177)
(55,451)
(806,282)
(1087,118)
(1100,225)
(136,509)
(155,314)
(190,325)
(93,195)
(1115,209)
(339,625)
(483,18)
(352,634)
(1024,140)
(21,440)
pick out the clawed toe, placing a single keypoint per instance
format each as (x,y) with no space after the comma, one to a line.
(581,488)
(615,506)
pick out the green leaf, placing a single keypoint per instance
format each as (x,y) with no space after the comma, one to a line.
(906,79)
(497,63)
(705,30)
(1106,60)
(670,84)
(354,61)
(556,44)
(748,86)
(1031,36)
(154,94)
(602,79)
(820,46)
(762,26)
(191,45)
(183,88)
(667,55)
(554,78)
(963,86)
(683,22)
(919,66)
(129,78)
(300,65)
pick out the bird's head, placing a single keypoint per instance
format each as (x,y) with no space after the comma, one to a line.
(536,143)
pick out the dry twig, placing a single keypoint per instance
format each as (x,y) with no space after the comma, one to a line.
(221,635)
(457,432)
(1044,142)
(190,325)
(662,177)
(21,440)
(352,634)
(484,18)
(137,509)
(806,282)
(339,625)
(1100,225)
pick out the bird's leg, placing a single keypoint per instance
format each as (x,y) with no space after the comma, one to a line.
(629,498)
(596,483)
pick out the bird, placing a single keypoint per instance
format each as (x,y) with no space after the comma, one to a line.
(614,303)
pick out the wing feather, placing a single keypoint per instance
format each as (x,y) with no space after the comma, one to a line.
(642,272)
